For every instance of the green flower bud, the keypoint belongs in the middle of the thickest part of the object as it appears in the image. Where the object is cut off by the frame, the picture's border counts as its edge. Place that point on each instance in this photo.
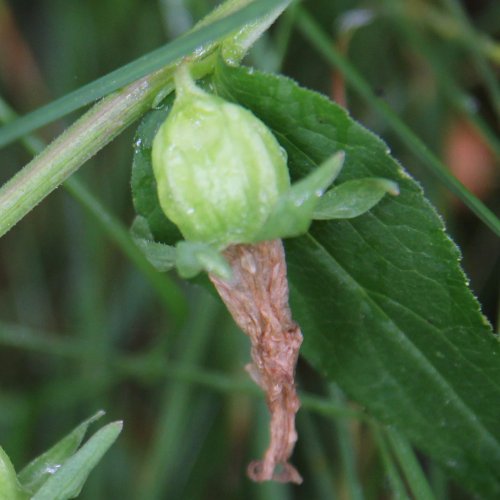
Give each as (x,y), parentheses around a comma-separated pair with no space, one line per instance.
(219,169)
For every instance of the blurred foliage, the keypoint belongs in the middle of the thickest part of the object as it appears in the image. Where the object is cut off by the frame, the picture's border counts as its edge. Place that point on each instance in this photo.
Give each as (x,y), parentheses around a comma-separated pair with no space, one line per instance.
(81,329)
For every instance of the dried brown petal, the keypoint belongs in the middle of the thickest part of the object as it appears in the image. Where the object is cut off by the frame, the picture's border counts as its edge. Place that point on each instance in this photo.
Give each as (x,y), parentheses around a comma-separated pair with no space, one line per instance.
(257,297)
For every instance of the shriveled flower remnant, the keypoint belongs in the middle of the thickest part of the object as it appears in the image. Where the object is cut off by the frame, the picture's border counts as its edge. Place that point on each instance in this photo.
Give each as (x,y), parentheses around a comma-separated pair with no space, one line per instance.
(257,297)
(223,179)
(220,174)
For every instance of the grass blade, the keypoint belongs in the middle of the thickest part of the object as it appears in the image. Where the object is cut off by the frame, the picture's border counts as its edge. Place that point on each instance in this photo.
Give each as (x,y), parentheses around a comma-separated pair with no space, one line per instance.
(313,32)
(471,40)
(451,90)
(408,462)
(70,477)
(164,286)
(137,69)
(395,480)
(171,431)
(39,470)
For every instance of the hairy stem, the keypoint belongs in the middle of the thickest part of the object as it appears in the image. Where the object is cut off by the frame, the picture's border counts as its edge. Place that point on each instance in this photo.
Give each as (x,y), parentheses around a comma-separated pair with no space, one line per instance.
(113,114)
(80,142)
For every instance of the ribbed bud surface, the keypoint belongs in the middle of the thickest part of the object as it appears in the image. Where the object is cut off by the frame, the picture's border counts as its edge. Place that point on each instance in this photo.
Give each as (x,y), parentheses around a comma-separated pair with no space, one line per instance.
(218,168)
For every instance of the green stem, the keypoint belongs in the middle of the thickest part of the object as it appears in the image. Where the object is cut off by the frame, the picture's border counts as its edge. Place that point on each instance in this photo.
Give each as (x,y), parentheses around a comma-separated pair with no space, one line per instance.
(220,23)
(165,287)
(168,291)
(409,464)
(451,91)
(395,481)
(449,29)
(313,32)
(468,32)
(321,469)
(347,450)
(81,141)
(113,114)
(173,423)
(152,367)
(284,33)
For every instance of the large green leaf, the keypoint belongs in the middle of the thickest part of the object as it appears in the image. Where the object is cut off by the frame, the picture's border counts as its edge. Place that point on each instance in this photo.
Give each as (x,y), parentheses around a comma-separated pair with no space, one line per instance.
(382,300)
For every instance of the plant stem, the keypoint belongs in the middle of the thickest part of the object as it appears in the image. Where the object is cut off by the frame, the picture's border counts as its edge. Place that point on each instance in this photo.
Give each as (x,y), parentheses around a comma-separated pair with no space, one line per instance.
(320,466)
(395,481)
(347,450)
(170,433)
(166,288)
(168,291)
(220,23)
(80,142)
(409,464)
(468,33)
(457,97)
(113,114)
(151,367)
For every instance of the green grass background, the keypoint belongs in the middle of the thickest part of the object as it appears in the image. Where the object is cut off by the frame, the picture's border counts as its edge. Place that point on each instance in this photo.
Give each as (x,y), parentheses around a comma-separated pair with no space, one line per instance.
(82,329)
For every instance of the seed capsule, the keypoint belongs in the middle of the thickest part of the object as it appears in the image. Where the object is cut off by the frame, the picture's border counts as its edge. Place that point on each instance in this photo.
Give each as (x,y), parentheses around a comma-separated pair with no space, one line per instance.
(219,169)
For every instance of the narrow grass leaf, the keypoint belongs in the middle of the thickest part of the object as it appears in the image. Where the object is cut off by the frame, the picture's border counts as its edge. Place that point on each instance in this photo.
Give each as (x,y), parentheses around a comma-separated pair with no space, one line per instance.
(410,466)
(193,41)
(38,471)
(68,480)
(326,48)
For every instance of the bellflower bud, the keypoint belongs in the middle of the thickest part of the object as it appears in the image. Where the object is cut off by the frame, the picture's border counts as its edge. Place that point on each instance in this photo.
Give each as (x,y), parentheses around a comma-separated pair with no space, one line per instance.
(219,169)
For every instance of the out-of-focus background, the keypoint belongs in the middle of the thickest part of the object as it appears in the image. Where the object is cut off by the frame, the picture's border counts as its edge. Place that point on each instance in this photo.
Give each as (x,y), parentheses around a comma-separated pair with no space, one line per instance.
(82,329)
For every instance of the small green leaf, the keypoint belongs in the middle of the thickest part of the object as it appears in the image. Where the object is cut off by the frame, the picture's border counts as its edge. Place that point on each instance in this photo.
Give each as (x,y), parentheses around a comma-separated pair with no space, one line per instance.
(67,481)
(193,258)
(161,256)
(294,211)
(38,471)
(10,489)
(353,198)
(144,190)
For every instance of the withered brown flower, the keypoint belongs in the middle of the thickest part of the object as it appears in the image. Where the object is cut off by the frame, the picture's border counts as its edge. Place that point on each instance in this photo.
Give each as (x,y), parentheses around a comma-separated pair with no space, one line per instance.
(257,297)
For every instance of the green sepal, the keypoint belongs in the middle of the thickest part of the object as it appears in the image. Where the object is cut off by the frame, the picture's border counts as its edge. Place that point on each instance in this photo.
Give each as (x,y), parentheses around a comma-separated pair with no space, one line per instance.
(10,489)
(190,258)
(194,257)
(39,470)
(160,255)
(293,213)
(68,479)
(353,198)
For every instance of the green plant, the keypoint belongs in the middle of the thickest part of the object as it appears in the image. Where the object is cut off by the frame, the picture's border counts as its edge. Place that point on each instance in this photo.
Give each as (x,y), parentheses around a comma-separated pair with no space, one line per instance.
(379,293)
(60,472)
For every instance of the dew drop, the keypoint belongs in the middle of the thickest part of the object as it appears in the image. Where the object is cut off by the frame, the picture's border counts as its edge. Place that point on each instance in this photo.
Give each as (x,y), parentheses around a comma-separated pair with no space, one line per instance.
(52,469)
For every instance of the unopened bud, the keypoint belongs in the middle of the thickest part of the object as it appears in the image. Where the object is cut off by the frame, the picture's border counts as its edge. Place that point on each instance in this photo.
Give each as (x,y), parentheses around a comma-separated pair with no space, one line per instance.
(219,169)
